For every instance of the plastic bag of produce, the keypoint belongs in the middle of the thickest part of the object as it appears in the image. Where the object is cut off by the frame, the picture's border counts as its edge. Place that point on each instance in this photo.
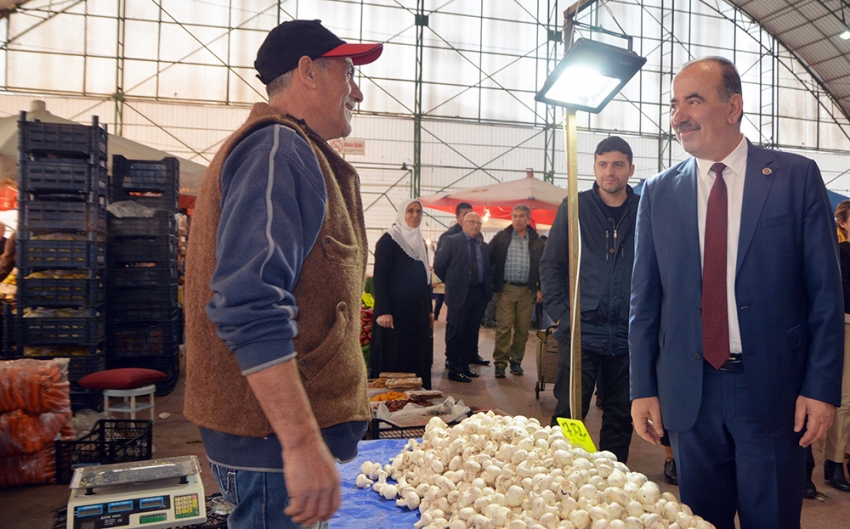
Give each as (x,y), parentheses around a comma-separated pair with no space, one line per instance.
(415,415)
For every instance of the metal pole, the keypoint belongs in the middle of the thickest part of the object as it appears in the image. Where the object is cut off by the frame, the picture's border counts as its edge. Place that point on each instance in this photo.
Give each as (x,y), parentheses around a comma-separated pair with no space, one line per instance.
(421,22)
(575,301)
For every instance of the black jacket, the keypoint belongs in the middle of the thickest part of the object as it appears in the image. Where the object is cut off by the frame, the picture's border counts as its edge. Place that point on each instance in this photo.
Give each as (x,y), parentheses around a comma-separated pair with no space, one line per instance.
(499,253)
(454,229)
(452,264)
(844,254)
(605,273)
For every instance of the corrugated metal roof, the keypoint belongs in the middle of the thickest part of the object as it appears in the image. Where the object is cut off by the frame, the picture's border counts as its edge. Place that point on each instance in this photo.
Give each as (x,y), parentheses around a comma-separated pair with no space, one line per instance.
(809,29)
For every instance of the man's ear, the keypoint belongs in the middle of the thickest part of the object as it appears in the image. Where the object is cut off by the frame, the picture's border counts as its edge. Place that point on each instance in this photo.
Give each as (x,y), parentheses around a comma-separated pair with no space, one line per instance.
(306,71)
(736,107)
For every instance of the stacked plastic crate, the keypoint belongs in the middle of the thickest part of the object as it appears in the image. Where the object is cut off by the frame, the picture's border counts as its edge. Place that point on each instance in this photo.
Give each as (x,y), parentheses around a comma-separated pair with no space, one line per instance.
(144,318)
(61,240)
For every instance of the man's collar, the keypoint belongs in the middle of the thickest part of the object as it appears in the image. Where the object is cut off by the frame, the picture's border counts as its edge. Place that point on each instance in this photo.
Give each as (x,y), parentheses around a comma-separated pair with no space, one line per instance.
(735,161)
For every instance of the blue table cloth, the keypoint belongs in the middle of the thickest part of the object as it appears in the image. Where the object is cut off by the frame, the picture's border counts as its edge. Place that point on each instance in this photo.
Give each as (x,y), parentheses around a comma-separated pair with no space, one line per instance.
(365,508)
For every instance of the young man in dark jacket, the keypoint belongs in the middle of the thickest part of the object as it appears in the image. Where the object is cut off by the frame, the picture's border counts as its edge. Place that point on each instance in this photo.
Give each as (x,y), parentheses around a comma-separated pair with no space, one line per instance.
(515,256)
(607,215)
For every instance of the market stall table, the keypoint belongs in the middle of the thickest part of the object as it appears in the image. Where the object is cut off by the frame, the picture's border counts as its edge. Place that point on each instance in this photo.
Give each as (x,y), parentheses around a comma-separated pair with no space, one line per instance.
(364,508)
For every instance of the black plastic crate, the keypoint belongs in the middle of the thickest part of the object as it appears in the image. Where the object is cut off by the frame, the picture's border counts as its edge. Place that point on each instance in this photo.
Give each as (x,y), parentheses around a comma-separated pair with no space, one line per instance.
(42,139)
(161,224)
(8,326)
(80,366)
(168,384)
(155,294)
(61,215)
(166,198)
(381,429)
(86,399)
(60,292)
(146,175)
(110,441)
(152,339)
(64,255)
(168,363)
(82,330)
(142,249)
(62,175)
(142,274)
(142,311)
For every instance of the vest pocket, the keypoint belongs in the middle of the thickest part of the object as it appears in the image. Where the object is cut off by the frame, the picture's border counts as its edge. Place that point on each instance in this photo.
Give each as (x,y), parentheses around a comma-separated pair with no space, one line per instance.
(339,252)
(311,363)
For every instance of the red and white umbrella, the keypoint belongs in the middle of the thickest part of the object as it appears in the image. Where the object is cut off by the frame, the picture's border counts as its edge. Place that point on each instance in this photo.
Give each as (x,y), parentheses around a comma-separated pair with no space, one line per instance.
(499,199)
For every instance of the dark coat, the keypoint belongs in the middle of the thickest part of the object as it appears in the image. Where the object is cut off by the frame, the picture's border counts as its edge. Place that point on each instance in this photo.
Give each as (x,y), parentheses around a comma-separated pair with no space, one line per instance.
(453,266)
(454,229)
(844,249)
(787,288)
(606,269)
(499,253)
(401,290)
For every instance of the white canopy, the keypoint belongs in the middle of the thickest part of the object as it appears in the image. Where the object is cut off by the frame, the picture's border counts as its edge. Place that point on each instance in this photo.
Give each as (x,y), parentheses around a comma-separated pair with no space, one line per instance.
(191,173)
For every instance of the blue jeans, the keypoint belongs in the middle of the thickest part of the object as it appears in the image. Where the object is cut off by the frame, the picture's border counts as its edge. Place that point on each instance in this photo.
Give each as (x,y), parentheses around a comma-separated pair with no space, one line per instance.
(259,497)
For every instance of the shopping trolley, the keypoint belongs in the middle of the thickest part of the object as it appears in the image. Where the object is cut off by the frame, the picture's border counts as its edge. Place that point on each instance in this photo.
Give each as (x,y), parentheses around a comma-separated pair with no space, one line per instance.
(547,360)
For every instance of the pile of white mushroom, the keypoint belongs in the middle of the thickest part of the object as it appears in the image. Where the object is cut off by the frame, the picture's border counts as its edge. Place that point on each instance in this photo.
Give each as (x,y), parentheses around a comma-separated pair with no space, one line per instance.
(492,472)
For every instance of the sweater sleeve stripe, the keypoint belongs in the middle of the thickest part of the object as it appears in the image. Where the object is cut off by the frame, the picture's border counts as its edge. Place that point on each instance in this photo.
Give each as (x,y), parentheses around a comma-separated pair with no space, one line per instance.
(270,211)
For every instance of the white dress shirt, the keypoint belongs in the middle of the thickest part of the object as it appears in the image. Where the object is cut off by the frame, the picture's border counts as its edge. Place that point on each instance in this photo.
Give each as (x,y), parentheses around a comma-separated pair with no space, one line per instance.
(733,175)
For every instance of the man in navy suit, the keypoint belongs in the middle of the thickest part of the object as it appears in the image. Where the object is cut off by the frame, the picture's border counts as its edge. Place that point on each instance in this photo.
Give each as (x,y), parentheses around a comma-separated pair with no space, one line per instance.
(736,311)
(469,286)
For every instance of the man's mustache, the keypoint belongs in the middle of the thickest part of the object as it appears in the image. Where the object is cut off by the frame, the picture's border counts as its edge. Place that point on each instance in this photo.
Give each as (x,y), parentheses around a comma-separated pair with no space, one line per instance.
(687,126)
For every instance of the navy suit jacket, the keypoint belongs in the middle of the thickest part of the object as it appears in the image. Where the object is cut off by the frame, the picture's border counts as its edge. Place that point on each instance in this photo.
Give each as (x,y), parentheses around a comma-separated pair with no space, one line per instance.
(453,265)
(787,287)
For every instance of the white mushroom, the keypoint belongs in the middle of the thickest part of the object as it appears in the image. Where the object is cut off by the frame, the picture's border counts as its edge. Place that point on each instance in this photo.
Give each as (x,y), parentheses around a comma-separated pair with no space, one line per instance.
(549,520)
(363,482)
(580,518)
(389,491)
(634,508)
(649,493)
(616,479)
(634,523)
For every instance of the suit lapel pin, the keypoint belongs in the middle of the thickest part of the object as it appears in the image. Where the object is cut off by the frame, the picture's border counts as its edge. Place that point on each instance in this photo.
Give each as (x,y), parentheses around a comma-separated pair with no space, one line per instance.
(766,171)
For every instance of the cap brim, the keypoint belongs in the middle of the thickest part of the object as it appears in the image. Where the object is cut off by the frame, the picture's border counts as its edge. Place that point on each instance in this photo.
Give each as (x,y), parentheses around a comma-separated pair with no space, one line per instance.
(358,53)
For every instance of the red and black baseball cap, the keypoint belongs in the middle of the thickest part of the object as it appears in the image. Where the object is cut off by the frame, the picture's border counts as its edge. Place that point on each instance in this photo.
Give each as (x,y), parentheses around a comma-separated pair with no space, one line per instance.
(286,44)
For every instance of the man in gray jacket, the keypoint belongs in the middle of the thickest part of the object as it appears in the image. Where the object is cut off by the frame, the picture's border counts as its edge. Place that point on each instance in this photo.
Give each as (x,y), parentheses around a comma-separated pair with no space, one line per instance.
(607,215)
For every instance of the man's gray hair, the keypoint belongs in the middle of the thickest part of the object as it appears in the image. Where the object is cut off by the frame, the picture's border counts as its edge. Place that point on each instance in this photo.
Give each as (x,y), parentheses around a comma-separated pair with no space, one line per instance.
(523,208)
(281,82)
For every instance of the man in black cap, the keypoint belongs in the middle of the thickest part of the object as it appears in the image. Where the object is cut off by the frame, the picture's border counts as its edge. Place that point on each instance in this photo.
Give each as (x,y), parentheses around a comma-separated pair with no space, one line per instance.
(276,384)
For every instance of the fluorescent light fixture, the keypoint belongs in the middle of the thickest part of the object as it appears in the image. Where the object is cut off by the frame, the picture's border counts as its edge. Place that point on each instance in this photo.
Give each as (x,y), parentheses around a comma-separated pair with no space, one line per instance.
(845,35)
(589,76)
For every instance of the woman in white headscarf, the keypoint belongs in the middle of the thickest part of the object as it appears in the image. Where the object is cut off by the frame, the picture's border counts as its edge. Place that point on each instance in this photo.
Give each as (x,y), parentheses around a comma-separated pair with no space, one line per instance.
(401,338)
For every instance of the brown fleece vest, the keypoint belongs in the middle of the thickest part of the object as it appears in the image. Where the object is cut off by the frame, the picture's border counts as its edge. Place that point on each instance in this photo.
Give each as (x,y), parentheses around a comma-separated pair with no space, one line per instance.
(328,293)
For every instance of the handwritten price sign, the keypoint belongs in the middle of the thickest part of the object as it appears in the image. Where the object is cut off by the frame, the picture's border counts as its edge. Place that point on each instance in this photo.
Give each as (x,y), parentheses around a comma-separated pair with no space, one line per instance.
(576,434)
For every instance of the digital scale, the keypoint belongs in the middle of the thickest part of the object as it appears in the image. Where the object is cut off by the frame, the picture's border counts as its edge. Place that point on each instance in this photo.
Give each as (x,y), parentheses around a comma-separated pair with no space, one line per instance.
(155,494)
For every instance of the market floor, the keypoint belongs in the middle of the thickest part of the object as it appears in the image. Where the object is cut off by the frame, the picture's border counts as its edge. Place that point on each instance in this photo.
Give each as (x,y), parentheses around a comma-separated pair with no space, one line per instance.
(32,507)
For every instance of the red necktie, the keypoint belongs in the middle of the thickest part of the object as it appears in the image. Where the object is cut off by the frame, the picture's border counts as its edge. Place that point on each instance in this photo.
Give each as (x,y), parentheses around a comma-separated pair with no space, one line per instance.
(715,314)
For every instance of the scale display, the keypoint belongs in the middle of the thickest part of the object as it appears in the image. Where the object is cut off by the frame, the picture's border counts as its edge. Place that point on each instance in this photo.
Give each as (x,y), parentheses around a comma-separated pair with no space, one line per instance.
(156,494)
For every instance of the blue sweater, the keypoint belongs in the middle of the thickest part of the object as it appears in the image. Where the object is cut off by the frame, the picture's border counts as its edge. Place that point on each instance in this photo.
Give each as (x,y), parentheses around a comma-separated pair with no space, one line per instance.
(273,199)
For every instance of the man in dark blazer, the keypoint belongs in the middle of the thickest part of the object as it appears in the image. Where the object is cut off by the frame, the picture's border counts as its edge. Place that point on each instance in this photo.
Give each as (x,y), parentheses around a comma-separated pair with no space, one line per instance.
(469,286)
(736,316)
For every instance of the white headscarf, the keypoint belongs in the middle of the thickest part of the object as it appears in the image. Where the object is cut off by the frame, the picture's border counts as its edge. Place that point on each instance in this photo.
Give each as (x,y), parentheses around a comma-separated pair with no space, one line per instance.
(410,239)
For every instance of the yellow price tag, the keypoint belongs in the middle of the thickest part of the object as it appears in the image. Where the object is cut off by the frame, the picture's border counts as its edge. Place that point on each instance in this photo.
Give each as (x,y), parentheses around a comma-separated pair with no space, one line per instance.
(576,433)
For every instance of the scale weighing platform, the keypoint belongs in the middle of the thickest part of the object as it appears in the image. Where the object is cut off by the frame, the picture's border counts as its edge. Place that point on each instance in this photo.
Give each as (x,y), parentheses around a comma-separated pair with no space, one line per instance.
(155,494)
